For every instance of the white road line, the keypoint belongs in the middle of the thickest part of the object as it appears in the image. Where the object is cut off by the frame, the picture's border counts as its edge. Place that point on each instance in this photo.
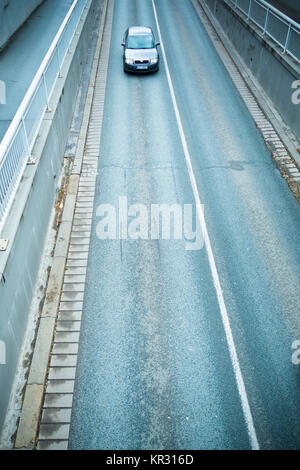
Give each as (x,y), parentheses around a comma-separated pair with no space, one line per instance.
(215,276)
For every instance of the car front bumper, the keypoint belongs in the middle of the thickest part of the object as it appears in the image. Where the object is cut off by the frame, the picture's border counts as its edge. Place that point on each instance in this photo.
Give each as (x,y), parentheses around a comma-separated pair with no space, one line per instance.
(137,69)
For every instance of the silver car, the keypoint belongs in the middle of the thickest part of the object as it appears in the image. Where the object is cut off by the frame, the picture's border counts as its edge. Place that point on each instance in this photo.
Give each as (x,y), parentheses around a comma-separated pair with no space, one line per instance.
(140,50)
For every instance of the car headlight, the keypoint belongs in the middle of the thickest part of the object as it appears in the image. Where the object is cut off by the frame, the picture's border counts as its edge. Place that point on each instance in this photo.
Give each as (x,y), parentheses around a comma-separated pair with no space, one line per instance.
(153,61)
(129,61)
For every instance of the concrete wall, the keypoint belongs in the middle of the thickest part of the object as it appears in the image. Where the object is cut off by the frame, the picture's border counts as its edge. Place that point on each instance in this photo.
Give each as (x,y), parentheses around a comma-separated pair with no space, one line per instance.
(19,276)
(289,4)
(13,13)
(274,71)
(293,4)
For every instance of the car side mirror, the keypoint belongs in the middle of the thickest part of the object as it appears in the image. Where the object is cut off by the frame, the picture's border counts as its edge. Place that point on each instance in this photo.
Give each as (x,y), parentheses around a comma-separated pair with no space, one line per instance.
(157,44)
(123,44)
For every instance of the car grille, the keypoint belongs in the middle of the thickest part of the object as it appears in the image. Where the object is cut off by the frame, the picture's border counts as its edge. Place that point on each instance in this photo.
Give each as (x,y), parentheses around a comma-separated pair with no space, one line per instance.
(141,61)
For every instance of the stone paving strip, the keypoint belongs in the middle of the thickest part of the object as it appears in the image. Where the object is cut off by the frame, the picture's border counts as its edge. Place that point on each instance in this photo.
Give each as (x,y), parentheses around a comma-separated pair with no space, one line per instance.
(56,412)
(46,411)
(280,153)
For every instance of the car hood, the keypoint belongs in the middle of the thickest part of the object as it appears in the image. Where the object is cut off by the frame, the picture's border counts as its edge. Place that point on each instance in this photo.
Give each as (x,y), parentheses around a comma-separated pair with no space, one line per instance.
(141,54)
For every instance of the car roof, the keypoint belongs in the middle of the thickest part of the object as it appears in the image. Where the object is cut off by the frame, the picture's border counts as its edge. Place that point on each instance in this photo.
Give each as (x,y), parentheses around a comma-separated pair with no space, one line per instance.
(136,30)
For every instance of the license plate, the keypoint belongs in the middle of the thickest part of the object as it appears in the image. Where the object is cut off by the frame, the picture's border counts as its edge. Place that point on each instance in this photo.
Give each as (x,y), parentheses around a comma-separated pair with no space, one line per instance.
(142,67)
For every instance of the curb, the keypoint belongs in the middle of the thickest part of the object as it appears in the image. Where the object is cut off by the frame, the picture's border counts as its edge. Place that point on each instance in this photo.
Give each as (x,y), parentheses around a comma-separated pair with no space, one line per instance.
(33,398)
(55,422)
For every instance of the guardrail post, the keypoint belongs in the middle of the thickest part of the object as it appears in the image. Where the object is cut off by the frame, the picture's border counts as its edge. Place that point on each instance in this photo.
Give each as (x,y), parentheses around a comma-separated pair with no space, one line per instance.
(249,11)
(26,138)
(58,60)
(46,91)
(266,22)
(287,39)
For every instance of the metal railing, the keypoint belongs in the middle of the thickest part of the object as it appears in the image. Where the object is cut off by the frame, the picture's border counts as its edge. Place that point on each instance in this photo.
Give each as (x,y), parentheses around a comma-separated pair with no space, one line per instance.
(279,27)
(18,141)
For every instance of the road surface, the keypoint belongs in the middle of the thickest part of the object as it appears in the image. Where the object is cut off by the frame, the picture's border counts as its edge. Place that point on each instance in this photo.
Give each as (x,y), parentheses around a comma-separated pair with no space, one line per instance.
(156,369)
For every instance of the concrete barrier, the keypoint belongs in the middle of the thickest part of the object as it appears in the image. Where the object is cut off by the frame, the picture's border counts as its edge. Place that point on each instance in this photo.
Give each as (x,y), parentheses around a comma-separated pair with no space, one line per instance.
(13,13)
(27,224)
(275,72)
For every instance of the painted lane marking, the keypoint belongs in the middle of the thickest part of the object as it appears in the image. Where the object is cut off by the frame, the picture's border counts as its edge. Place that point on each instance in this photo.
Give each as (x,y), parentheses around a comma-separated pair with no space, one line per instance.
(223,310)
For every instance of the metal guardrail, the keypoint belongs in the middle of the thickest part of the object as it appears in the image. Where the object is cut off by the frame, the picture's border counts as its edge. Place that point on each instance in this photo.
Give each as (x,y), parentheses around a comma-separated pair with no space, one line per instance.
(18,141)
(275,24)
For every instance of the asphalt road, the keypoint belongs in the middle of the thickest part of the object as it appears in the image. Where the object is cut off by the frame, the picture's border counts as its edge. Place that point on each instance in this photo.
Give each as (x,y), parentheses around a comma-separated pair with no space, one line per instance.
(156,368)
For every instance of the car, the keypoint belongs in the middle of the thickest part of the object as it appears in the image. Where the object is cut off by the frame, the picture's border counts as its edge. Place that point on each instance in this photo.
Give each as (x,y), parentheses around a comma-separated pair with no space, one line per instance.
(140,50)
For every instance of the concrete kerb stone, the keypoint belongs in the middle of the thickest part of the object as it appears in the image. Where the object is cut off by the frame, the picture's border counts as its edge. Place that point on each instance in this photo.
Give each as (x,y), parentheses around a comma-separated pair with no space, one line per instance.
(39,364)
(68,211)
(53,445)
(53,289)
(30,417)
(62,242)
(73,184)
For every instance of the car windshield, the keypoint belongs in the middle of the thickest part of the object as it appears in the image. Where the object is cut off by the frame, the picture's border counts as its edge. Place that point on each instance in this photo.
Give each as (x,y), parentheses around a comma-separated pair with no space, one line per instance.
(140,42)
